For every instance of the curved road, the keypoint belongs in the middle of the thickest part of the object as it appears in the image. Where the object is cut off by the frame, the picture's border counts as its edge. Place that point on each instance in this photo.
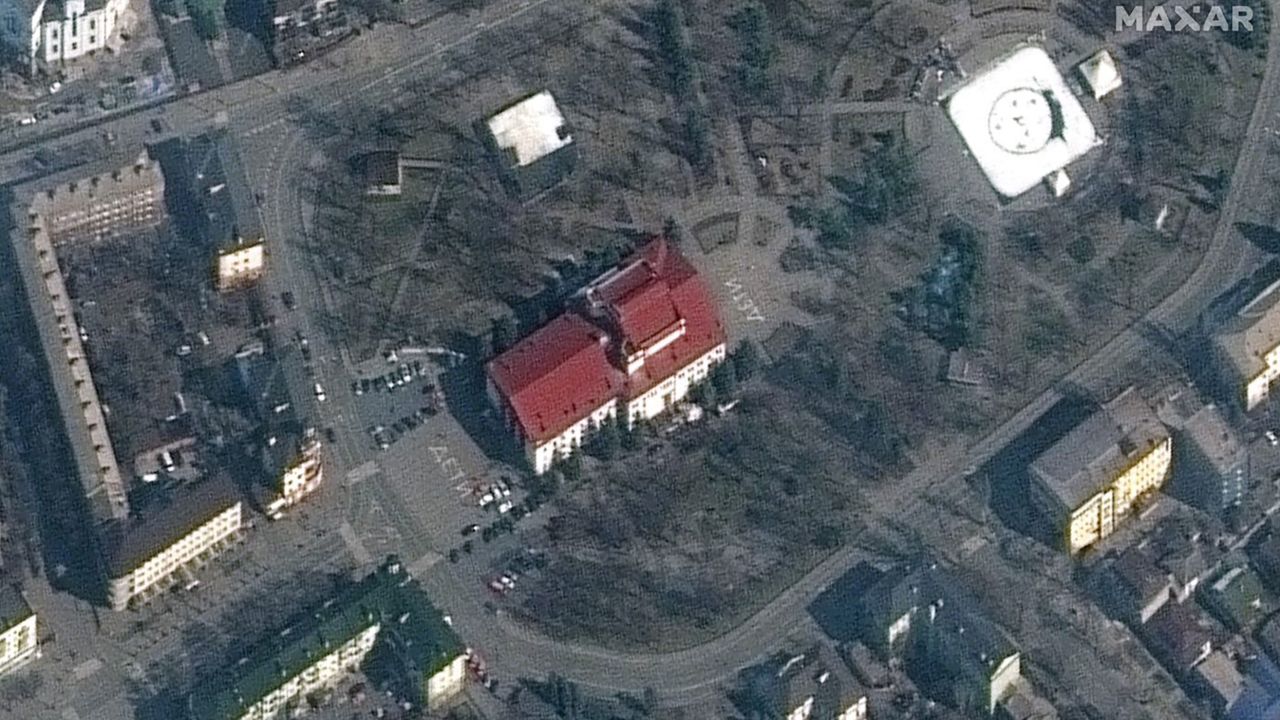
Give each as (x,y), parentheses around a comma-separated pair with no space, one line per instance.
(259,106)
(694,674)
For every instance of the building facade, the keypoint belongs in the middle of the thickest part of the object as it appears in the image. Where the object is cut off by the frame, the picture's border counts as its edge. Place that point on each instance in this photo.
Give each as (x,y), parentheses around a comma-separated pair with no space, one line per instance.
(58,32)
(1247,350)
(635,341)
(299,469)
(325,672)
(1089,481)
(153,553)
(101,205)
(19,644)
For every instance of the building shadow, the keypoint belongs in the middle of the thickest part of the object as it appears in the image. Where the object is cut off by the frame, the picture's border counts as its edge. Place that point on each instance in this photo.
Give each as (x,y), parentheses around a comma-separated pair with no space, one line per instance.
(463,386)
(36,437)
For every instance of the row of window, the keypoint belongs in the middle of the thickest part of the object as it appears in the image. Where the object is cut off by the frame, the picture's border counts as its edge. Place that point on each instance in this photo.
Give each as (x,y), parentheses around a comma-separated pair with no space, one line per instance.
(180,553)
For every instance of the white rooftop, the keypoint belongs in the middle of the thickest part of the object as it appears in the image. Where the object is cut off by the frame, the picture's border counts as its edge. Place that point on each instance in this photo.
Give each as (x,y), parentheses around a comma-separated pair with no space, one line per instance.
(1101,73)
(1020,121)
(532,128)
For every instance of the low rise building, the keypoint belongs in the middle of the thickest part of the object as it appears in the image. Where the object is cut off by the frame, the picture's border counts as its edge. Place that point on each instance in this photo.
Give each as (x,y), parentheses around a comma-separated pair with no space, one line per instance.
(924,619)
(291,453)
(1024,703)
(1021,122)
(1218,679)
(1264,557)
(533,143)
(1237,598)
(1088,482)
(383,173)
(163,545)
(1134,587)
(295,464)
(1177,638)
(386,615)
(812,685)
(635,342)
(19,643)
(1247,350)
(979,661)
(1101,74)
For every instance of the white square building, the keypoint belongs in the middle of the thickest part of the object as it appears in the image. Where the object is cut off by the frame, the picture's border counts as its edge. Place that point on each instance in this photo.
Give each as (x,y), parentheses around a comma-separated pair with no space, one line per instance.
(1021,121)
(530,130)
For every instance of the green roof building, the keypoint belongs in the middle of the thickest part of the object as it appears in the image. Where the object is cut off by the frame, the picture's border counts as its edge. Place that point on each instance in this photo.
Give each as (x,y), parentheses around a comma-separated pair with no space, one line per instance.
(385,620)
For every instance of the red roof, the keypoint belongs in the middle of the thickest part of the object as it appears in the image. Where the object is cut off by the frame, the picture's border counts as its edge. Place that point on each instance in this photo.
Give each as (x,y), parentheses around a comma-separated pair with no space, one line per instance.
(652,291)
(556,376)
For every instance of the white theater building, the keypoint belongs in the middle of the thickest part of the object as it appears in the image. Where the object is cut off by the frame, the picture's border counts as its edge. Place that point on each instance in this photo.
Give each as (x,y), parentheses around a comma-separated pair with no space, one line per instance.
(1022,123)
(58,31)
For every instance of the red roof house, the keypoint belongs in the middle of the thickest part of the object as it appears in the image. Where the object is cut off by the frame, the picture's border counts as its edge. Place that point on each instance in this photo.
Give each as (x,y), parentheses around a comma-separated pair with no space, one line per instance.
(637,325)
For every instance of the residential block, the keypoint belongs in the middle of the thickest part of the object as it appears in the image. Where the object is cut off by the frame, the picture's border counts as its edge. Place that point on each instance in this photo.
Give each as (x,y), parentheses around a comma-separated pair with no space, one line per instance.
(1089,481)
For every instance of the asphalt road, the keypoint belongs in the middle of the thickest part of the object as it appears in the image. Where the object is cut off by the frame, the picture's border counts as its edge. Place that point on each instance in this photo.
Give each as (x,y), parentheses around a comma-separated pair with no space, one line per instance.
(257,107)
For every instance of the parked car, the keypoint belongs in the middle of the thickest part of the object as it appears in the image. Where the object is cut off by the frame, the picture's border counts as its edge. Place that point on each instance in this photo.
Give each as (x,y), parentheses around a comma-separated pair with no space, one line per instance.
(290,303)
(471,529)
(355,387)
(320,396)
(330,435)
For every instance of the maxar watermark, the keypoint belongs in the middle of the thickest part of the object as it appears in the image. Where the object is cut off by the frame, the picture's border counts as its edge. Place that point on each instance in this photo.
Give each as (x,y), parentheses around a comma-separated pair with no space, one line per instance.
(1185,18)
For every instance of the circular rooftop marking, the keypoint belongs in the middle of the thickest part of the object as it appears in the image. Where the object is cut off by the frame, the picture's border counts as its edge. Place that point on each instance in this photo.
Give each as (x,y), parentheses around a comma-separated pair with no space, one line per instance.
(1021,121)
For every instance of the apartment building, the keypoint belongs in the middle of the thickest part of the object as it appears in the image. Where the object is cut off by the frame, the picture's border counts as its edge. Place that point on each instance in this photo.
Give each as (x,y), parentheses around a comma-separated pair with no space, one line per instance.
(1088,482)
(58,32)
(18,641)
(635,341)
(84,204)
(1212,462)
(101,201)
(292,458)
(385,614)
(228,220)
(1247,350)
(164,545)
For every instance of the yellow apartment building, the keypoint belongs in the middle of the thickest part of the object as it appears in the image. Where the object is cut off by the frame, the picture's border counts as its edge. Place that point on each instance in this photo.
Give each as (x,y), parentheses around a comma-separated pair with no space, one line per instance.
(1088,482)
(1247,350)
